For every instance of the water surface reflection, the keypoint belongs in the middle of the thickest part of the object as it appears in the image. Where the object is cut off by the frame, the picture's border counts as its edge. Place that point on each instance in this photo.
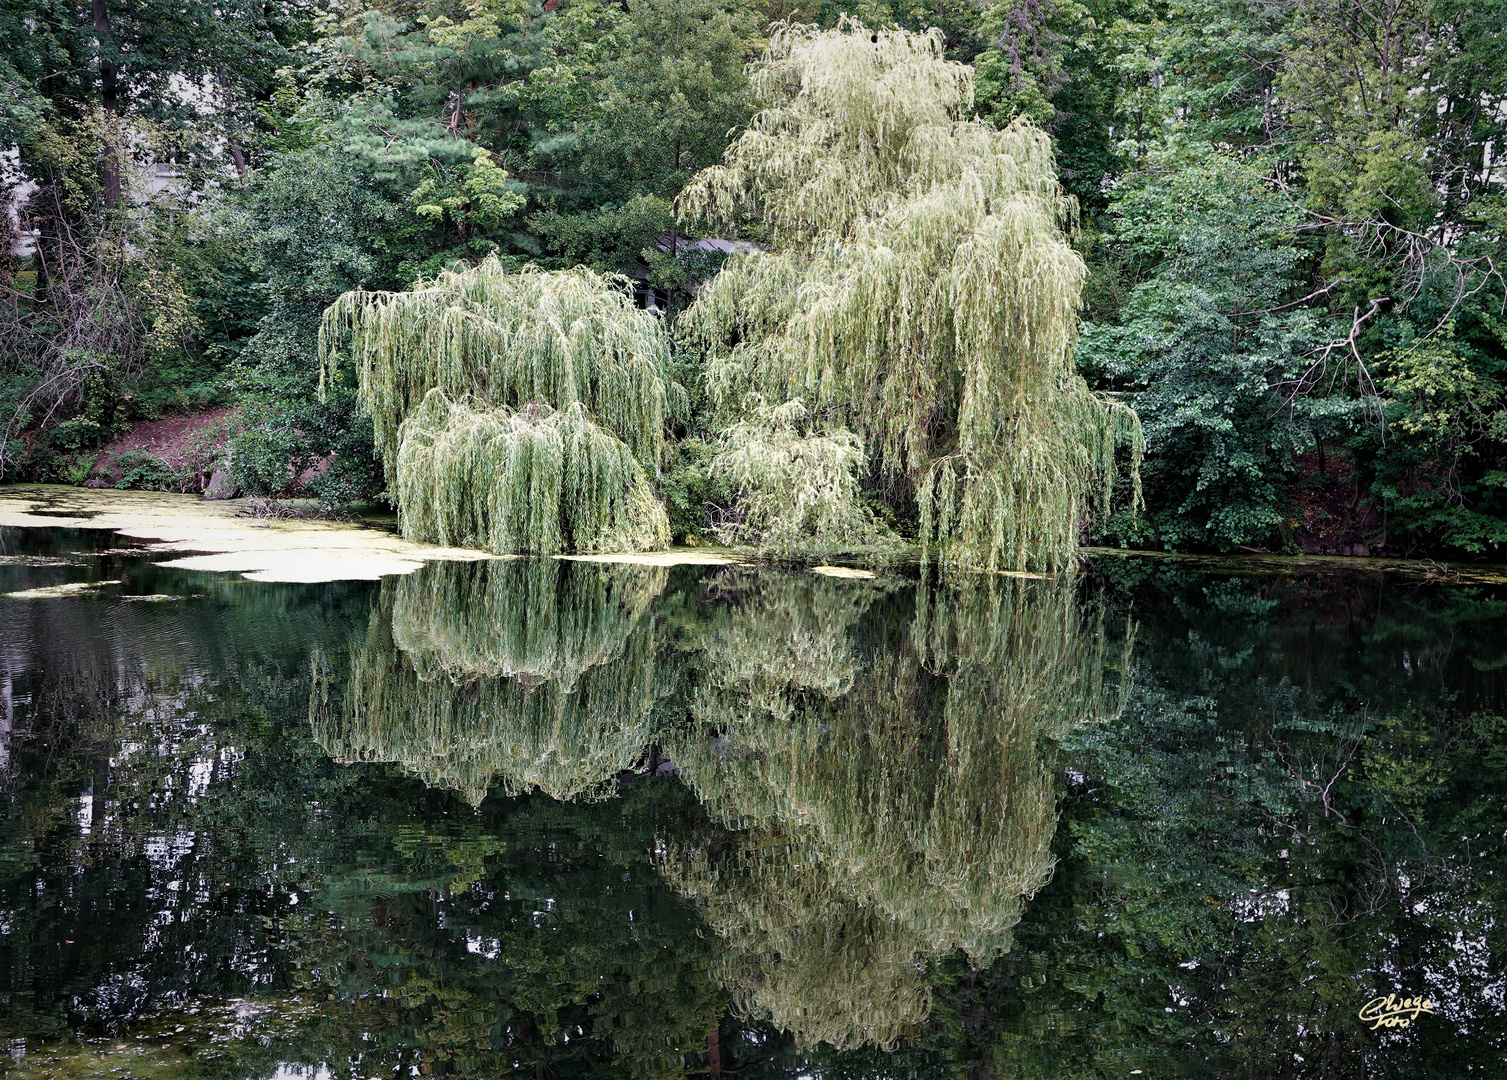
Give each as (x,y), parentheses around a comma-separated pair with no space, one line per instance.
(571,819)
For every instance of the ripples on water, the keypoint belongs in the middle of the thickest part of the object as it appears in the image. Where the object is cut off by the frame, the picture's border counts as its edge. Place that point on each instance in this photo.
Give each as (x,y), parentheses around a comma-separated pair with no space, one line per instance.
(577,820)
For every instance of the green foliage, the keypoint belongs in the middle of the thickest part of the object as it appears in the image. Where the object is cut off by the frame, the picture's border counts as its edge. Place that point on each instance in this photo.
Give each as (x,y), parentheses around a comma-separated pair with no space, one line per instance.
(513,338)
(1444,401)
(793,491)
(1030,58)
(668,97)
(312,227)
(1214,362)
(668,91)
(305,447)
(76,432)
(1440,472)
(116,256)
(267,456)
(1367,120)
(1264,387)
(612,239)
(141,469)
(504,470)
(692,491)
(477,198)
(882,306)
(1335,162)
(601,112)
(306,230)
(534,482)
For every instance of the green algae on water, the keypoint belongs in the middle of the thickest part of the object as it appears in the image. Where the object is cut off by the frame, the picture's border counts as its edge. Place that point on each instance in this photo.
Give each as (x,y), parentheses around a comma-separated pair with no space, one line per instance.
(75,589)
(213,536)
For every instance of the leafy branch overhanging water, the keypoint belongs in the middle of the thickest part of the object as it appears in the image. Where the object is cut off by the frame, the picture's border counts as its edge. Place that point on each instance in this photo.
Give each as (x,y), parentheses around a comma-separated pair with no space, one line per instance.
(486,464)
(534,481)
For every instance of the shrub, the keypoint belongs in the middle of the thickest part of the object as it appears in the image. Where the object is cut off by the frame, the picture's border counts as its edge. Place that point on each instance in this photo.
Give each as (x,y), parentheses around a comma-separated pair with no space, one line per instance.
(141,469)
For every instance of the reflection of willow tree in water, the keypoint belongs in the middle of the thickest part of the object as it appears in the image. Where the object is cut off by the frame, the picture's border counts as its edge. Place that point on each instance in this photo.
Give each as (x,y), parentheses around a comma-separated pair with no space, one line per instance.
(895,805)
(539,674)
(539,621)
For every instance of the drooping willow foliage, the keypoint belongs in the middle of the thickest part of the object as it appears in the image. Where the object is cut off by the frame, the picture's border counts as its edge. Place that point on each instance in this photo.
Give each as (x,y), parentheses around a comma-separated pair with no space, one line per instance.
(787,634)
(918,291)
(904,778)
(534,481)
(567,736)
(507,338)
(796,492)
(521,412)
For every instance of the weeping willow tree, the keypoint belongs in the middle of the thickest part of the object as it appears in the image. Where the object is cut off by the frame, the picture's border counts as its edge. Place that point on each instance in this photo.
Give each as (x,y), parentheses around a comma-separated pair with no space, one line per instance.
(906,779)
(531,482)
(568,735)
(796,491)
(918,290)
(497,345)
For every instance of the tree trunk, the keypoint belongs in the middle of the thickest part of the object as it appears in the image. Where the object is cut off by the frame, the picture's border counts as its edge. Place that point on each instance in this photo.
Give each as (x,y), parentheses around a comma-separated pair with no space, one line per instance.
(108,99)
(46,226)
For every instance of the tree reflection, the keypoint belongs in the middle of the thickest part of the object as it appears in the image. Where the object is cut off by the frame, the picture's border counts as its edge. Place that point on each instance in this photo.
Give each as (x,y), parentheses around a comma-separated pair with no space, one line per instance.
(530,674)
(891,802)
(146,847)
(868,753)
(1299,807)
(538,620)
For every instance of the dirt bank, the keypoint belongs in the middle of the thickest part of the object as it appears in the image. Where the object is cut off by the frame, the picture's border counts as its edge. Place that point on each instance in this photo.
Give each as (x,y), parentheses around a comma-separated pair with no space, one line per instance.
(186,446)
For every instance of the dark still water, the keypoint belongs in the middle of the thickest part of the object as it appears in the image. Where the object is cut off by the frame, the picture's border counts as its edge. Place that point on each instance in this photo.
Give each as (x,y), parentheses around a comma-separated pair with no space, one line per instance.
(565,819)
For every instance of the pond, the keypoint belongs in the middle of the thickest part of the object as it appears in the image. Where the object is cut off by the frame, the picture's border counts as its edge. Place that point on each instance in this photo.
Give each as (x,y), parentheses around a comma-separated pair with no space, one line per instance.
(567,819)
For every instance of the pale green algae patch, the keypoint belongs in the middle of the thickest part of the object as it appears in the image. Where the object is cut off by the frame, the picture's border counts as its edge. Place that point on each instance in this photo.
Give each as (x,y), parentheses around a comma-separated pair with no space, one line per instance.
(56,592)
(672,557)
(213,536)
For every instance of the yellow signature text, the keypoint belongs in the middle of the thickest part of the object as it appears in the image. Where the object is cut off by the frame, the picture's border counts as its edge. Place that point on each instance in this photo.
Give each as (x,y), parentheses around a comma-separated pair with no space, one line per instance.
(1394,1012)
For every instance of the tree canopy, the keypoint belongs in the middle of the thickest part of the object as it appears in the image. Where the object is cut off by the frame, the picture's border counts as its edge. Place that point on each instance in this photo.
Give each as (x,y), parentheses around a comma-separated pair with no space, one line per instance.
(964,243)
(506,472)
(918,289)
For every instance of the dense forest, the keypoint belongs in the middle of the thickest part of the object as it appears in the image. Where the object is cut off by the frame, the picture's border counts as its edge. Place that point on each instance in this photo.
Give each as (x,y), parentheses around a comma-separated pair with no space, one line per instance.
(1287,212)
